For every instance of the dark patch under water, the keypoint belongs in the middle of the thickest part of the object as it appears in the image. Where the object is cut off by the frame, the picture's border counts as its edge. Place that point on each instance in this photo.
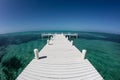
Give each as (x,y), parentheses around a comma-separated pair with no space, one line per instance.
(11,65)
(103,51)
(16,51)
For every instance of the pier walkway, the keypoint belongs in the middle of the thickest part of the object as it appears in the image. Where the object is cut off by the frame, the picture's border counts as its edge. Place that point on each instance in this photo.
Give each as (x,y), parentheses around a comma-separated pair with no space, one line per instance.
(65,34)
(59,60)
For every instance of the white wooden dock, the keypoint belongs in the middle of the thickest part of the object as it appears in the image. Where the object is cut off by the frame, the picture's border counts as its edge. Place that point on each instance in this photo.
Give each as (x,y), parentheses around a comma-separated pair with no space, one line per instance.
(60,60)
(65,34)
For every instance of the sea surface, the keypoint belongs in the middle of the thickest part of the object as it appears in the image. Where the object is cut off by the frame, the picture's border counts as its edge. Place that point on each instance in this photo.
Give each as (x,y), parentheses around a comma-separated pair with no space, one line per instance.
(16,51)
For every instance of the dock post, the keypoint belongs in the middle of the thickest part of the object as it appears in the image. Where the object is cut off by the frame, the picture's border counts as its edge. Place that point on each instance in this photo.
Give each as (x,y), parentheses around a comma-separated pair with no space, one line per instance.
(36,54)
(83,53)
(67,37)
(71,42)
(50,42)
(47,41)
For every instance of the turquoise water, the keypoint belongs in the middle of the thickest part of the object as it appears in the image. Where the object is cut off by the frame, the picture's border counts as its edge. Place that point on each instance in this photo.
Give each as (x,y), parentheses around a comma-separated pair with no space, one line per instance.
(103,51)
(16,51)
(104,55)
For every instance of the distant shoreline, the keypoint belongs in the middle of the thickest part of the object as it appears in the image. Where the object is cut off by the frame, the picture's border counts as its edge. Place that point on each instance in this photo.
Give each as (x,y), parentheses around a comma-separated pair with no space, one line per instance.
(64,31)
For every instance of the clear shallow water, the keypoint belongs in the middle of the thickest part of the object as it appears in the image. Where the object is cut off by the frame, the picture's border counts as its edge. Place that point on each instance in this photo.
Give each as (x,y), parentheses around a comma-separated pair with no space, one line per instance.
(16,51)
(104,55)
(103,51)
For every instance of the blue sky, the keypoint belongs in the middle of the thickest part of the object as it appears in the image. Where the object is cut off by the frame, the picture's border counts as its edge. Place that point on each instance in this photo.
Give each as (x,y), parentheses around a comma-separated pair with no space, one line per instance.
(80,15)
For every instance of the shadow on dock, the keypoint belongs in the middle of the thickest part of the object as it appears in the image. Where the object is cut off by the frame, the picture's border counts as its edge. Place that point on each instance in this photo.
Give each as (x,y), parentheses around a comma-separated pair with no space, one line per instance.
(42,57)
